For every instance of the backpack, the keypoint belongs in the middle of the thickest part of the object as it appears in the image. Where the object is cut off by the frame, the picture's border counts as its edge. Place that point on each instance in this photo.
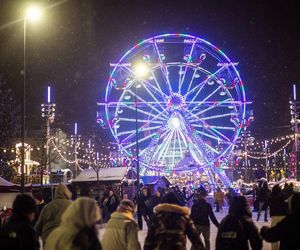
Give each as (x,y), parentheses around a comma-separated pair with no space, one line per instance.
(231,235)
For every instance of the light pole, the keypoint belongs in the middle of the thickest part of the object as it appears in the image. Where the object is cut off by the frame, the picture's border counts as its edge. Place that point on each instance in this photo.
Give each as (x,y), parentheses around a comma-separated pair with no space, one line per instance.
(140,70)
(48,111)
(32,13)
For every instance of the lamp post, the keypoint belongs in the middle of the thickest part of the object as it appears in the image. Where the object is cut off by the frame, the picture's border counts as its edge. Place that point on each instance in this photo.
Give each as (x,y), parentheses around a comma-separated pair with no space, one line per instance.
(32,13)
(140,70)
(48,111)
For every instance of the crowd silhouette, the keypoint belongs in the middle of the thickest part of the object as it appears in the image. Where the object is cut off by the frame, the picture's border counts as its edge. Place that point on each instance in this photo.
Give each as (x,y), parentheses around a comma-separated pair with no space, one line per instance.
(169,217)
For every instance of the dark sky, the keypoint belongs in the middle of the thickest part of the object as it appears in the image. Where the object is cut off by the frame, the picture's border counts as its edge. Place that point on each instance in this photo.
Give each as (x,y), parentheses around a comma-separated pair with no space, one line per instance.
(75,42)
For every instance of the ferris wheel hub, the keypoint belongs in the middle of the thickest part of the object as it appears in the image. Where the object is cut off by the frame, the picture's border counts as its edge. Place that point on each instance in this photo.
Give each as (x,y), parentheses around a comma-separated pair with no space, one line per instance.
(175,102)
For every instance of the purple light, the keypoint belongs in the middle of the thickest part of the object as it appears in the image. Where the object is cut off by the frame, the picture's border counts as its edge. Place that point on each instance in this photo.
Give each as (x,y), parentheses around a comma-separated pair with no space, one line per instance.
(294,92)
(89,143)
(49,94)
(75,128)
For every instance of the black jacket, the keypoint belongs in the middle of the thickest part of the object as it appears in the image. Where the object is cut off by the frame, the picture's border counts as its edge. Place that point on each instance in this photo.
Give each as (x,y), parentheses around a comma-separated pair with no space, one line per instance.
(278,207)
(18,234)
(286,231)
(201,212)
(249,230)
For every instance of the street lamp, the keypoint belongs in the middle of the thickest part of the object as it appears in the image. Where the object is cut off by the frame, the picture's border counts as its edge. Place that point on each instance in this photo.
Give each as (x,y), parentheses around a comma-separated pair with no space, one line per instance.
(32,14)
(140,70)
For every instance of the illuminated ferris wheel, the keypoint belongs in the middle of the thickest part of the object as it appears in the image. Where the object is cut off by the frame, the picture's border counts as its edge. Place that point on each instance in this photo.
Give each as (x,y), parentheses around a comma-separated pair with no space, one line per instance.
(177,96)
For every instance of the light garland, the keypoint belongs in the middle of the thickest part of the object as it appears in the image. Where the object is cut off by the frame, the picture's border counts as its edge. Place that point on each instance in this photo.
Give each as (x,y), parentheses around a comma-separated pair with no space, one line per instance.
(268,155)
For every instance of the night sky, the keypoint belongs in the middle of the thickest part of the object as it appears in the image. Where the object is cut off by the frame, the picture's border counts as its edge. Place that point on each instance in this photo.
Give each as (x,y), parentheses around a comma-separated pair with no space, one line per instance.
(75,42)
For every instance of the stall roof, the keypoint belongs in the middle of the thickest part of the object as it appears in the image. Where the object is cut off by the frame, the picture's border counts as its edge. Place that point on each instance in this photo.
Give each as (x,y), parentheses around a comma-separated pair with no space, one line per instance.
(105,174)
(152,180)
(6,183)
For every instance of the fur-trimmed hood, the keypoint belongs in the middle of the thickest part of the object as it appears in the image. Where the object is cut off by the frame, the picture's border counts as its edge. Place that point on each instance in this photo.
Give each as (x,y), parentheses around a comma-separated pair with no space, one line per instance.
(171,208)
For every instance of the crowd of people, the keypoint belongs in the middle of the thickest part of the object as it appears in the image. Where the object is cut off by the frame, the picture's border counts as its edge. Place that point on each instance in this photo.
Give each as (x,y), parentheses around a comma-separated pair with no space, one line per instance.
(171,215)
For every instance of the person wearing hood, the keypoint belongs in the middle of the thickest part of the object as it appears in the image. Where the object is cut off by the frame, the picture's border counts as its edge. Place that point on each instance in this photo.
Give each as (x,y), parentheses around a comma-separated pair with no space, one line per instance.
(121,231)
(170,226)
(237,229)
(51,214)
(18,233)
(77,230)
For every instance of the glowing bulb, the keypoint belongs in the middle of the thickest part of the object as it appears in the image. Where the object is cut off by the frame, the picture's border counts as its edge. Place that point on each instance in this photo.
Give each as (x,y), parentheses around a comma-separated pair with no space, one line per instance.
(175,122)
(141,70)
(33,13)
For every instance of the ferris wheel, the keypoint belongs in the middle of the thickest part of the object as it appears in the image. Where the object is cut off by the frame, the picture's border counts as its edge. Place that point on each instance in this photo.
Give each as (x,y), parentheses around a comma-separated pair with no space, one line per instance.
(178,97)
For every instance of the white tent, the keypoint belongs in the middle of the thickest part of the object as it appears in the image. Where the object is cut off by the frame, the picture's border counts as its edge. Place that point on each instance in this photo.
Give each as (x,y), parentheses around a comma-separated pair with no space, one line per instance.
(6,183)
(105,174)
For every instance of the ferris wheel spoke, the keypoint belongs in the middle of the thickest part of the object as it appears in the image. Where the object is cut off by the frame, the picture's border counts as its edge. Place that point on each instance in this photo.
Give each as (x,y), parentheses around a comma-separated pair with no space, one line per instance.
(180,148)
(191,81)
(146,124)
(217,127)
(207,79)
(140,140)
(162,144)
(138,120)
(207,127)
(158,85)
(206,98)
(147,103)
(166,145)
(209,135)
(174,144)
(164,70)
(158,102)
(183,138)
(145,112)
(140,130)
(156,90)
(187,65)
(216,116)
(218,104)
(223,127)
(199,90)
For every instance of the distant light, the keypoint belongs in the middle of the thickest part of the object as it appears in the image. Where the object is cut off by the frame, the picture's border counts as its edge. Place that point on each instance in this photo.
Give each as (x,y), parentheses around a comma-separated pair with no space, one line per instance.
(75,128)
(33,13)
(49,94)
(141,70)
(175,122)
(294,92)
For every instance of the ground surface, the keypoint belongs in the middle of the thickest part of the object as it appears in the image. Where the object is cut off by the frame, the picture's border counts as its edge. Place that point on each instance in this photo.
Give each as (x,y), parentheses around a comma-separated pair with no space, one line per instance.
(267,246)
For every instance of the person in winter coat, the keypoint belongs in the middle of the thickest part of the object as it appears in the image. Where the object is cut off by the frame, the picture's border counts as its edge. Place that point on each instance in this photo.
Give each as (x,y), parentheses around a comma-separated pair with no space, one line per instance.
(121,231)
(77,230)
(51,214)
(155,200)
(287,231)
(278,209)
(201,213)
(143,207)
(263,197)
(170,226)
(18,233)
(110,204)
(237,238)
(219,199)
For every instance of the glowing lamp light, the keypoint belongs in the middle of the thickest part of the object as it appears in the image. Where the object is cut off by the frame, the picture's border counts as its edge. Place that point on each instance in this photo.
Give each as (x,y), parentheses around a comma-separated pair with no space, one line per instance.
(175,122)
(33,13)
(141,70)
